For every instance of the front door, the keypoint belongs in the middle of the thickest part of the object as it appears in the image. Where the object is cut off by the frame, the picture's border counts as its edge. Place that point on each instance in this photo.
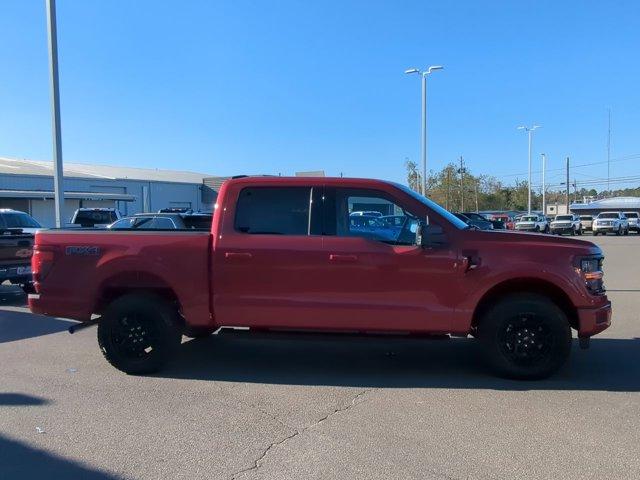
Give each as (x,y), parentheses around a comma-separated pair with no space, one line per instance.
(376,278)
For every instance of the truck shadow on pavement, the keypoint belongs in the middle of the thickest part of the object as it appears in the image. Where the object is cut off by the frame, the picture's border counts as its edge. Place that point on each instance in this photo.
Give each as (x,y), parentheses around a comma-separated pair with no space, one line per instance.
(20,325)
(608,365)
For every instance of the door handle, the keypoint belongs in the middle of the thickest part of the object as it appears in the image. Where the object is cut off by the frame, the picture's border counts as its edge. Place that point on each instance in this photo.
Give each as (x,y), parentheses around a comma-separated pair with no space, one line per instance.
(237,255)
(343,258)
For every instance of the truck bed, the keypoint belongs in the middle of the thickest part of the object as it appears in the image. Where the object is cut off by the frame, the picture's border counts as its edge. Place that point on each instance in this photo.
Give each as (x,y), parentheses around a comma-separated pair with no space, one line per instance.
(84,268)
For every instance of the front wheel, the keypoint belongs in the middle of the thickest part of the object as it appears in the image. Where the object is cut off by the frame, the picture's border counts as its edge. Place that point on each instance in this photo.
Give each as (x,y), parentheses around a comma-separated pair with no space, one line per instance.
(525,336)
(139,333)
(619,232)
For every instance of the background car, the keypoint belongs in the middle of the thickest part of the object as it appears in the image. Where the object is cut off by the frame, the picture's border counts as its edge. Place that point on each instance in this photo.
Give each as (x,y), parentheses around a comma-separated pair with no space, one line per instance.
(566,224)
(94,217)
(13,219)
(365,213)
(634,221)
(496,224)
(610,222)
(164,221)
(587,222)
(480,223)
(532,223)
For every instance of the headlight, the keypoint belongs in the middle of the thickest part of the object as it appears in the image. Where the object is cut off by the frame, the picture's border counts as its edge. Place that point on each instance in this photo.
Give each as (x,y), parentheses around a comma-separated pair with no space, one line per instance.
(592,274)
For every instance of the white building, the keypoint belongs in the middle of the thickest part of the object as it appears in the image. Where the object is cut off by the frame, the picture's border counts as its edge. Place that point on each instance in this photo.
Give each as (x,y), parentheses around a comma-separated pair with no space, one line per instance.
(27,185)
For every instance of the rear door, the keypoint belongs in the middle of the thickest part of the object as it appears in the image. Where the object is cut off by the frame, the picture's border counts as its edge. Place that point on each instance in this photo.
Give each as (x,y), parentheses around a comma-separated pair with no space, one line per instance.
(266,258)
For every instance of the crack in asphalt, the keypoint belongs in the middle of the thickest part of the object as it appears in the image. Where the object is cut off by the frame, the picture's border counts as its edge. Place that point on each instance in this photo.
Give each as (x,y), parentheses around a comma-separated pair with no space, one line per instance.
(258,462)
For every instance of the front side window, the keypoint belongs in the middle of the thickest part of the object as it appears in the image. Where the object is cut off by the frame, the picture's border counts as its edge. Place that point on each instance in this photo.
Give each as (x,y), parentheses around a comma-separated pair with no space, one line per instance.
(395,225)
(273,211)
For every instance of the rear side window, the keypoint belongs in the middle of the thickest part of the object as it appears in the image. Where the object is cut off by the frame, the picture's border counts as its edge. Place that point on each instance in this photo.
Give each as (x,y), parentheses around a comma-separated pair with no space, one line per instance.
(273,210)
(631,214)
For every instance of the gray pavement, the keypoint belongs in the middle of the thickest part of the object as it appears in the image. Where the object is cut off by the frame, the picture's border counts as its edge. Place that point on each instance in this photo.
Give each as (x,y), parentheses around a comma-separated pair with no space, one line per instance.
(345,408)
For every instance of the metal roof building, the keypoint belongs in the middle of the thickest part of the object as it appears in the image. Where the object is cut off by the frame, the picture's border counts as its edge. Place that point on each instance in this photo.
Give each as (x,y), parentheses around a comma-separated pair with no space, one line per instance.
(27,185)
(616,204)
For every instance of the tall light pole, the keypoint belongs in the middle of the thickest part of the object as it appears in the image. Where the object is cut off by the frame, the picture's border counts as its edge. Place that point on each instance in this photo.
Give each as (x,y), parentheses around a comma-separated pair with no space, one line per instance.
(544,185)
(529,131)
(424,74)
(55,110)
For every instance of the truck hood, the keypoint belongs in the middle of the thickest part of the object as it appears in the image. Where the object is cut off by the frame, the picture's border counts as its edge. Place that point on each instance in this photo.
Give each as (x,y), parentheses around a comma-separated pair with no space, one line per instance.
(529,242)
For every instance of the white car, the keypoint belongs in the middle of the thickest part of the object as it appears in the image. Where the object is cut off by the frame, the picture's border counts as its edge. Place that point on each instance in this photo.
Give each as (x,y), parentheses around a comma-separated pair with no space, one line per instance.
(566,224)
(532,223)
(634,221)
(610,222)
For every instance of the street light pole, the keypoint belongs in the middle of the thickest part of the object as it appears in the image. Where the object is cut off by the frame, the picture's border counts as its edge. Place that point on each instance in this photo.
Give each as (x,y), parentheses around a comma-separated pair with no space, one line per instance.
(55,110)
(544,185)
(423,146)
(529,131)
(423,143)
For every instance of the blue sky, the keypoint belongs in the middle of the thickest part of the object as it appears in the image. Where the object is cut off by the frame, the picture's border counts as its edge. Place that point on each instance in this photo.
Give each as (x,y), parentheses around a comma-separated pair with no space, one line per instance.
(277,87)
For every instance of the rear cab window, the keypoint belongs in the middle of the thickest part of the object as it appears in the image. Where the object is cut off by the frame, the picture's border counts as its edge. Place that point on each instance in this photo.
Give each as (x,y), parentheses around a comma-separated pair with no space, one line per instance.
(274,211)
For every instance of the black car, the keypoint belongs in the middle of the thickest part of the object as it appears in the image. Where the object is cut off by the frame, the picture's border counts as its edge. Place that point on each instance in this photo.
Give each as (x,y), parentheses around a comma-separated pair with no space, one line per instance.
(16,249)
(480,224)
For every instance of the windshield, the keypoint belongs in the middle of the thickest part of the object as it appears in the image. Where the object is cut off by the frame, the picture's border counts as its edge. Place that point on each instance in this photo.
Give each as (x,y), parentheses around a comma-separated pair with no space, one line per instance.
(608,215)
(450,217)
(19,220)
(564,217)
(586,217)
(528,218)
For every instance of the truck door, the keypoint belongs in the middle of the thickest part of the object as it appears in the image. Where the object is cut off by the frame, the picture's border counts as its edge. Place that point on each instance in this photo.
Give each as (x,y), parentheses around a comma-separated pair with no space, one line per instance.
(374,276)
(266,257)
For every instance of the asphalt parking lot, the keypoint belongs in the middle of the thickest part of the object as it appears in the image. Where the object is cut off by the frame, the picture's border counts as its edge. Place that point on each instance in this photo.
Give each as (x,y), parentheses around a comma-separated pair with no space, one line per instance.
(347,408)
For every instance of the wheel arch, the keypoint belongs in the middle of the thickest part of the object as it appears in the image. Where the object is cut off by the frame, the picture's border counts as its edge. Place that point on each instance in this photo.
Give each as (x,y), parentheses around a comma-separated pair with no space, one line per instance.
(527,285)
(129,282)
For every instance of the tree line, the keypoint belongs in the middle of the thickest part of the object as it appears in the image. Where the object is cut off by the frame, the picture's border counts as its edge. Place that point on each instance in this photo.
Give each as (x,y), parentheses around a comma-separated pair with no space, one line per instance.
(457,189)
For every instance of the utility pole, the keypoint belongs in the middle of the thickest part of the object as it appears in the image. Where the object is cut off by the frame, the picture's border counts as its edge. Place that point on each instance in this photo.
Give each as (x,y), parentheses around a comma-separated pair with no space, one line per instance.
(476,185)
(575,191)
(448,188)
(568,185)
(461,184)
(58,174)
(609,155)
(544,185)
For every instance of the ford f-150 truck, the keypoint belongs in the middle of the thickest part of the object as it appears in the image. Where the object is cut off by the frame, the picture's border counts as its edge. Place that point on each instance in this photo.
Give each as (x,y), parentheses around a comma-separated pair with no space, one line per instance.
(282,254)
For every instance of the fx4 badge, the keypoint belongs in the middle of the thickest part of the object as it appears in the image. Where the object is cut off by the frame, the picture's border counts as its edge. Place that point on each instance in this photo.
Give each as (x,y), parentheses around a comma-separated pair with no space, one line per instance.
(82,251)
(24,253)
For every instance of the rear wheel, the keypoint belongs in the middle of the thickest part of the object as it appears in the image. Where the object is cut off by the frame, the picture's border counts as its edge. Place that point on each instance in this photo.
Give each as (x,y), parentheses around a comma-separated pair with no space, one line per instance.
(619,232)
(525,336)
(139,333)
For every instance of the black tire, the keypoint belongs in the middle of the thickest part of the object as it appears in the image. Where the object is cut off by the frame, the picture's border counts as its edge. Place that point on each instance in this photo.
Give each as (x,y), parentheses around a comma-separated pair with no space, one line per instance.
(626,231)
(525,336)
(580,232)
(618,232)
(139,333)
(198,332)
(573,232)
(595,234)
(537,229)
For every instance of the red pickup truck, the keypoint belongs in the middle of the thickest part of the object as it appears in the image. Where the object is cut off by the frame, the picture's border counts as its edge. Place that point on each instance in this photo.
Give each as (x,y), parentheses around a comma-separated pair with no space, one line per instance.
(293,254)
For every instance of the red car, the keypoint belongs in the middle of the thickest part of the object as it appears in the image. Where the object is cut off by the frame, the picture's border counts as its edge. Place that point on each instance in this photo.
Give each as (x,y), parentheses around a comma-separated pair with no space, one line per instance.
(283,254)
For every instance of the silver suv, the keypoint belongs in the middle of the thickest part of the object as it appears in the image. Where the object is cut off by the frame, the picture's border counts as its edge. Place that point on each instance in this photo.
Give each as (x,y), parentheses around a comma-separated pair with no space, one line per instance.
(611,222)
(566,224)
